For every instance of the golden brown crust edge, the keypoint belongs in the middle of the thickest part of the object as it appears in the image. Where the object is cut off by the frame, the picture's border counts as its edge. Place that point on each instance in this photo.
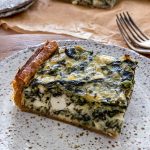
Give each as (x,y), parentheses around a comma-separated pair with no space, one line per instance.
(75,123)
(25,74)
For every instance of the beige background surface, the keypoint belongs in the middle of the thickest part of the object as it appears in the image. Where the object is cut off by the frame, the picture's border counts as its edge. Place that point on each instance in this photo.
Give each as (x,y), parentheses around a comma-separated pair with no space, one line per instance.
(63,18)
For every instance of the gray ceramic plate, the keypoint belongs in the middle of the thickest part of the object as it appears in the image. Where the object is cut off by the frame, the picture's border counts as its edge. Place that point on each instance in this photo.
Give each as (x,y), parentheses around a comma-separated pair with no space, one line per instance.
(11,7)
(22,131)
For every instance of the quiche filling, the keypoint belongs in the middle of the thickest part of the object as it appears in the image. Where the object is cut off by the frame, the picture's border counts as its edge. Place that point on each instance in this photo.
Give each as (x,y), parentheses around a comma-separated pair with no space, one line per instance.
(83,88)
(95,3)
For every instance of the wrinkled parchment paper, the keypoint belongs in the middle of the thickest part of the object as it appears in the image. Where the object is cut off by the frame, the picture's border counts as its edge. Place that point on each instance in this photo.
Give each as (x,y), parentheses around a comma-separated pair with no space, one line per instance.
(99,24)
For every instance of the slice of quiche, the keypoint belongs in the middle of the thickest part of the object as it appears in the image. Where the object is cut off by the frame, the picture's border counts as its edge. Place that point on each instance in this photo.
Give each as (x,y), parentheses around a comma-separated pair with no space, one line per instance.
(94,3)
(76,86)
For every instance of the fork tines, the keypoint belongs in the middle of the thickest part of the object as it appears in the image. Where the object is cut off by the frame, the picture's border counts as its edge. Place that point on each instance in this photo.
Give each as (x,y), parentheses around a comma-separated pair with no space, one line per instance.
(130,32)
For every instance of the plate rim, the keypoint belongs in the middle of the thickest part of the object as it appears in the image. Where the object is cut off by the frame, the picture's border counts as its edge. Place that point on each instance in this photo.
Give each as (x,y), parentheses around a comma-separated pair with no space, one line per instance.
(80,40)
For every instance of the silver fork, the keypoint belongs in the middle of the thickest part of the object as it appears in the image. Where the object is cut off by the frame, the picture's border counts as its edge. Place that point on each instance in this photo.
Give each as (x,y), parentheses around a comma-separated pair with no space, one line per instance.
(132,34)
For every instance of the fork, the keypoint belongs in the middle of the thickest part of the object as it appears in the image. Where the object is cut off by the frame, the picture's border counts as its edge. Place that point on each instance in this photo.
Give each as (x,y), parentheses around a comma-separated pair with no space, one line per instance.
(132,34)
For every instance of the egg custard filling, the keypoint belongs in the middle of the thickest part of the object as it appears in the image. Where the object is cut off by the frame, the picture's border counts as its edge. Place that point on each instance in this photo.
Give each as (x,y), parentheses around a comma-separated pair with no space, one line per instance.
(83,88)
(95,3)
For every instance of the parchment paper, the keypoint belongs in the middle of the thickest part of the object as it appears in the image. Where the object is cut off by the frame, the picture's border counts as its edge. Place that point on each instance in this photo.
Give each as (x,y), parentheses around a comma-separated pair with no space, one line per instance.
(57,17)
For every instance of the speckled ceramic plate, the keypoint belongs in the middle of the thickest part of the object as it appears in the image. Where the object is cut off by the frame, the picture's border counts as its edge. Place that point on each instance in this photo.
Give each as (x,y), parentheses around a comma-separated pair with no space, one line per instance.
(22,131)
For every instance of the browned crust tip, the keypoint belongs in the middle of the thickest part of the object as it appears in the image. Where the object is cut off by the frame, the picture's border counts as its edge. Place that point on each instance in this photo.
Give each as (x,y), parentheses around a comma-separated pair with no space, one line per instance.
(24,74)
